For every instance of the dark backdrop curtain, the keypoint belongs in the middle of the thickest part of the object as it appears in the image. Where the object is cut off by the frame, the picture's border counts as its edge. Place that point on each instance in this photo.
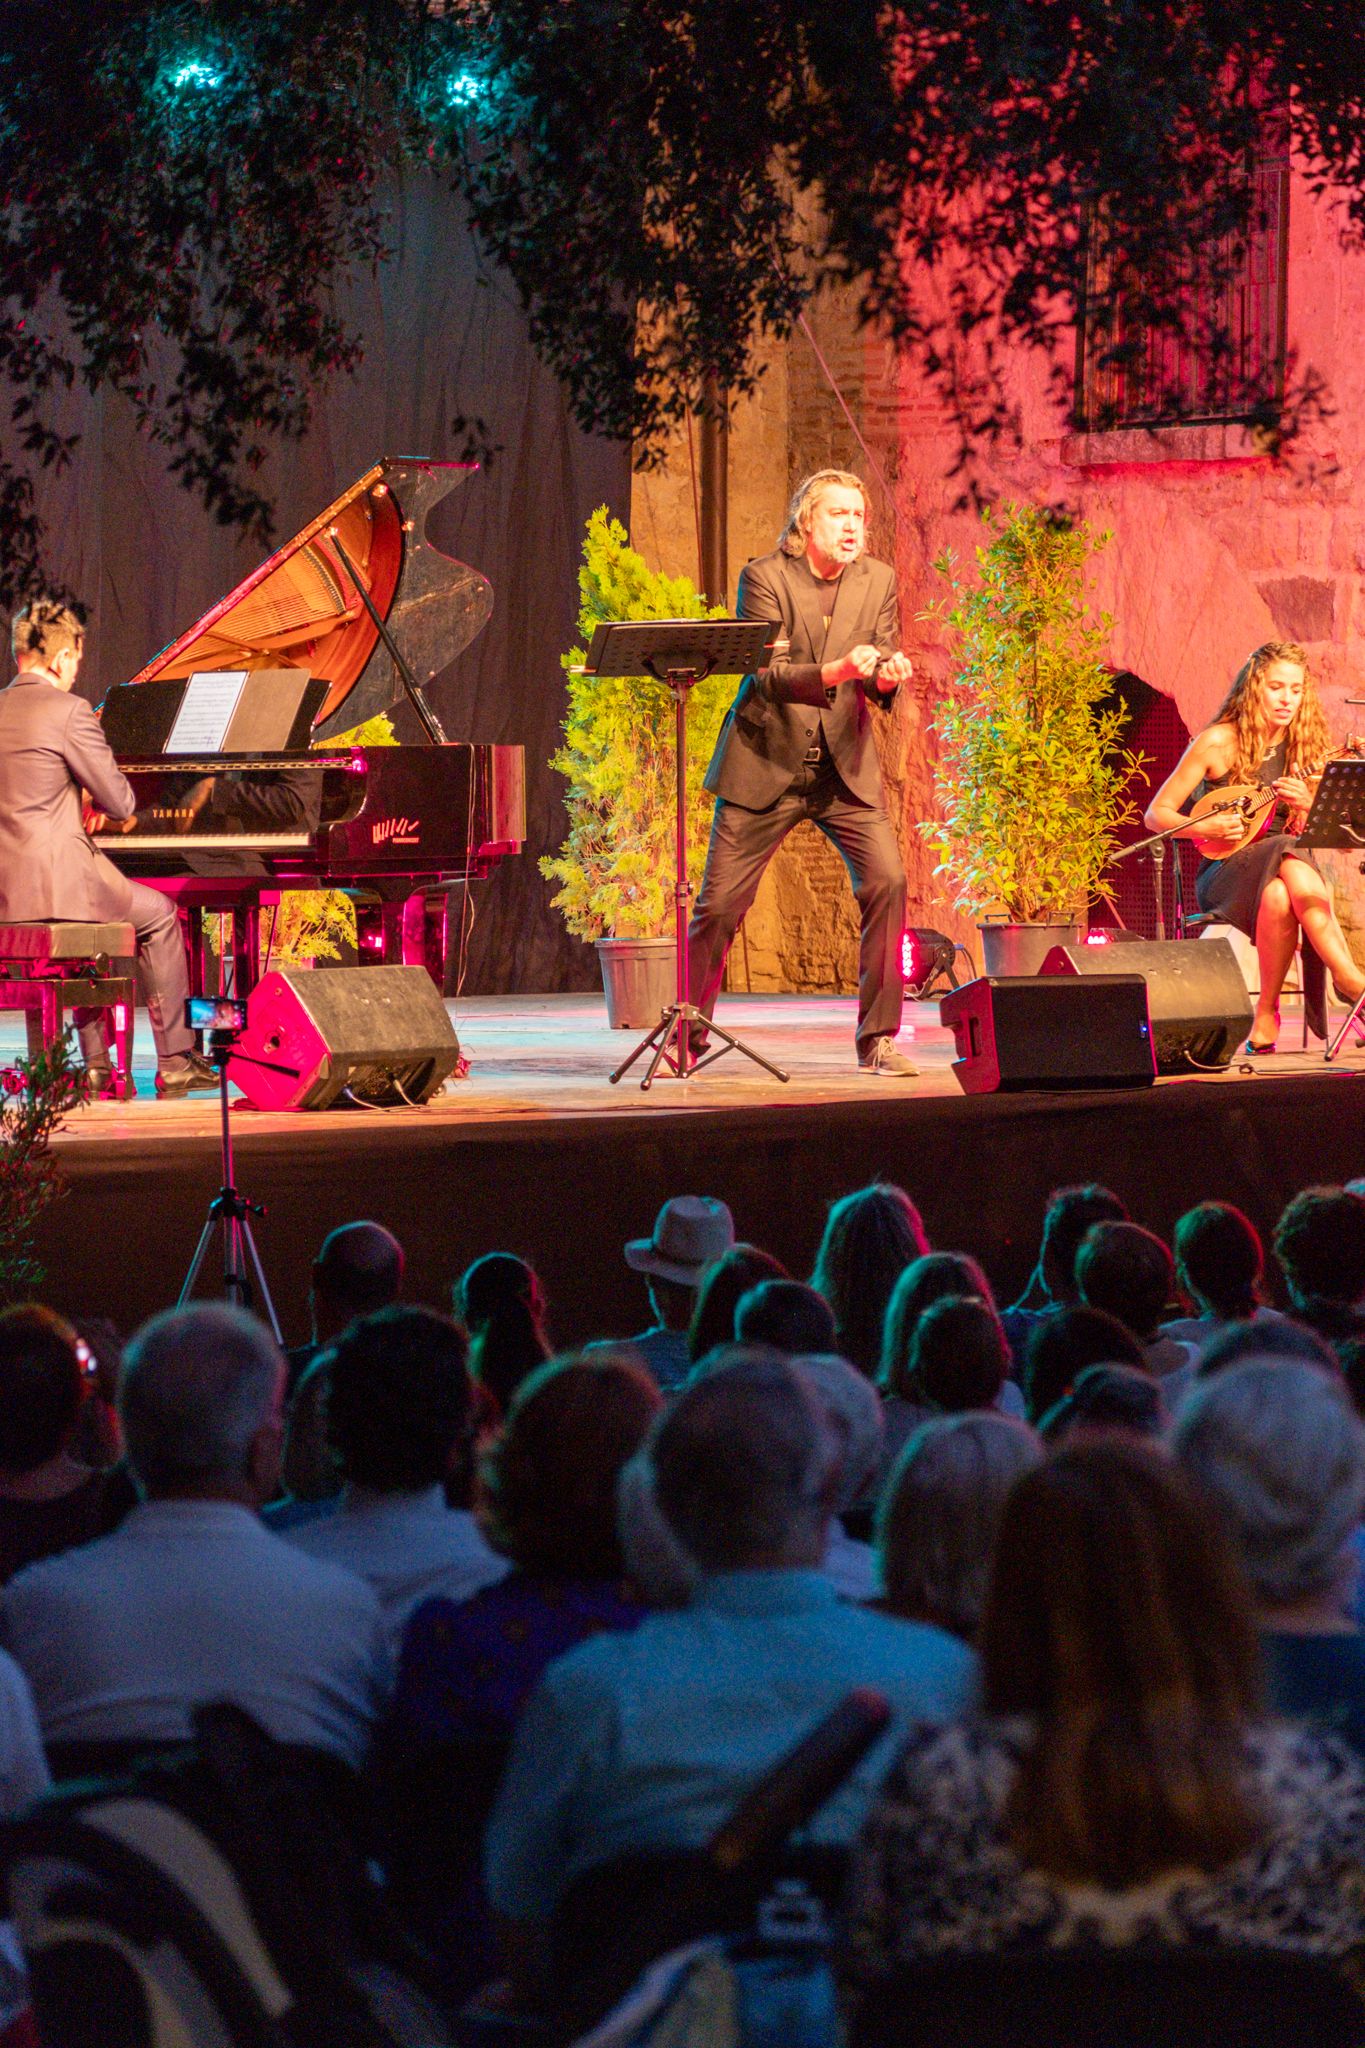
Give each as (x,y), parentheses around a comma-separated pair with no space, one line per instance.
(444,337)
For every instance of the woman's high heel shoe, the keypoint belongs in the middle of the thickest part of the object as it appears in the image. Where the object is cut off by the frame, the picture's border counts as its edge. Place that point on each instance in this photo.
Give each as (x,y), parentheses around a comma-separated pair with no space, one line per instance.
(1252,1047)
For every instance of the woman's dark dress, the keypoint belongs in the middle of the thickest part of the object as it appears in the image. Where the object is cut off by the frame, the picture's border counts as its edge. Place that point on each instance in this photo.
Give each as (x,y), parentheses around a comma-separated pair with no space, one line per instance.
(1232,888)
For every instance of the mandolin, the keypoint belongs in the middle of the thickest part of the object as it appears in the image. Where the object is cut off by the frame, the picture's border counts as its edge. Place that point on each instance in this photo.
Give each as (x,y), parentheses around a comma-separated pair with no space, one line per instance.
(1253,802)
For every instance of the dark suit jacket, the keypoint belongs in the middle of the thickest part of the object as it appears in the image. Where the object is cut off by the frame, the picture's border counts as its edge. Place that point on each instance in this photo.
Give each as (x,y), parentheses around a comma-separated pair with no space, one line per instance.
(777,714)
(51,747)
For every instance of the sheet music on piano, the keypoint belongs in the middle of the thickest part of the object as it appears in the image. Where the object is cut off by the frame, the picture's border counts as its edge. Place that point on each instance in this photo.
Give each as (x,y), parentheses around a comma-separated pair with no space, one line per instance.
(201,724)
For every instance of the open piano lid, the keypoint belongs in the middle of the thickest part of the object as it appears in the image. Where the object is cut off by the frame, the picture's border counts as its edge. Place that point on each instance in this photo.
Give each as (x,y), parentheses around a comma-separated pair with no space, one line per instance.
(301,608)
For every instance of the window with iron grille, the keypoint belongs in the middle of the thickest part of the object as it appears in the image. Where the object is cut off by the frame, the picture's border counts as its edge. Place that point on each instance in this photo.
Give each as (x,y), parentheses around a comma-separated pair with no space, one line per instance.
(1222,356)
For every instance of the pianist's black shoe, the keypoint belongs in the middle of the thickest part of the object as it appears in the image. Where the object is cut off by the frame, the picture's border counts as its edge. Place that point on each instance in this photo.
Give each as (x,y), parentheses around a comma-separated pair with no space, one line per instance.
(188,1076)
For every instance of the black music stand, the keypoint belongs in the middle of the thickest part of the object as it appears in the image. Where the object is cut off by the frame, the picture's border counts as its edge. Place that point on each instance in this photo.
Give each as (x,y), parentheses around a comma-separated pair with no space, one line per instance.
(1336,822)
(679,653)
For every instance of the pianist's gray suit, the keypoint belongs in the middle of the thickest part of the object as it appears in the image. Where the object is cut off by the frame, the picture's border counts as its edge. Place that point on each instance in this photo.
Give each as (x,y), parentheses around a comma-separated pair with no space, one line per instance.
(51,747)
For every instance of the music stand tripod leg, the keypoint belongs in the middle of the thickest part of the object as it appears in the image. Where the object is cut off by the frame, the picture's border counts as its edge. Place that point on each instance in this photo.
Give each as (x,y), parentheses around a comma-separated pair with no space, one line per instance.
(1355,1020)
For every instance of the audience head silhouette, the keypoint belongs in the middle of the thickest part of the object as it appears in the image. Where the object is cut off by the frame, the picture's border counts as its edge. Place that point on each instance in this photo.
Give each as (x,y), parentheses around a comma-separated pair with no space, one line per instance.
(958,1356)
(399,1399)
(940,1512)
(786,1314)
(1219,1260)
(42,1387)
(1070,1214)
(550,1478)
(1060,1347)
(1128,1272)
(501,1303)
(1107,1400)
(1118,1627)
(870,1238)
(1280,1450)
(935,1277)
(719,1292)
(743,1464)
(1320,1244)
(201,1401)
(358,1270)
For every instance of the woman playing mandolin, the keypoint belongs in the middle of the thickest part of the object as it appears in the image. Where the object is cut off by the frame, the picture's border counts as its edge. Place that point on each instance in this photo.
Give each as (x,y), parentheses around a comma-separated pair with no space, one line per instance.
(1268,742)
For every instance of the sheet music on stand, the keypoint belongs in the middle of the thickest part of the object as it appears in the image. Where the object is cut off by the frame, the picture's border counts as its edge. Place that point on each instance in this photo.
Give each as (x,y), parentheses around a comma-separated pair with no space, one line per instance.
(1336,820)
(1336,823)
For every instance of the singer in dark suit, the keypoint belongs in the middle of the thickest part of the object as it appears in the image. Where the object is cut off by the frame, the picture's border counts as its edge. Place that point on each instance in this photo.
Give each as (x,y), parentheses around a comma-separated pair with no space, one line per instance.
(798,743)
(52,747)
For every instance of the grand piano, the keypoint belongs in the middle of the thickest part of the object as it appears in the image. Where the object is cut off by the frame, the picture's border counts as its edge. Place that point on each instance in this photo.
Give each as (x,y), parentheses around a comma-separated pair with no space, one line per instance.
(233,737)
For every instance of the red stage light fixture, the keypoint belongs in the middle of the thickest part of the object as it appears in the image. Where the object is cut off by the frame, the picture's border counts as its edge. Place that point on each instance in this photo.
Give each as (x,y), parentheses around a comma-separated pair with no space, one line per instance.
(925,955)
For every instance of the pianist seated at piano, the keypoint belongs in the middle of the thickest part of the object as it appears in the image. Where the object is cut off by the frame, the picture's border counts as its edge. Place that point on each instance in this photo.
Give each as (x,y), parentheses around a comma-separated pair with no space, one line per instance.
(52,749)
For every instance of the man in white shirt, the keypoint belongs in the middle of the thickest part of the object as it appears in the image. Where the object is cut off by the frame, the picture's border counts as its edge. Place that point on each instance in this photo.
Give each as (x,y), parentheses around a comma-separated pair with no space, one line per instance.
(192,1599)
(398,1408)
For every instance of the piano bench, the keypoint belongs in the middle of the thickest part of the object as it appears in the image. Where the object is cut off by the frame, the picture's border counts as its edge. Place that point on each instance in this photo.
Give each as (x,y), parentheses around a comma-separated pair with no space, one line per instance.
(55,966)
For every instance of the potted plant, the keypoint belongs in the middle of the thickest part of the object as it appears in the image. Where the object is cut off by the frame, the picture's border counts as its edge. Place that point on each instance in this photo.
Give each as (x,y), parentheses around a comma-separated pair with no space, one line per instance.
(1031,772)
(616,865)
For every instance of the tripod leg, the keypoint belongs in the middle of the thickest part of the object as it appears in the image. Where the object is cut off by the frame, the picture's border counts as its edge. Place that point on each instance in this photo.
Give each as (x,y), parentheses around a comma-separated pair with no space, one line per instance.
(205,1237)
(1355,1021)
(644,1045)
(262,1289)
(673,1022)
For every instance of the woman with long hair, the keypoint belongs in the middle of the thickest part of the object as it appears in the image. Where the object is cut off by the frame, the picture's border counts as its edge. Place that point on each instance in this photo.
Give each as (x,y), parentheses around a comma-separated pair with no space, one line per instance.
(1269,730)
(500,1302)
(870,1238)
(1122,1780)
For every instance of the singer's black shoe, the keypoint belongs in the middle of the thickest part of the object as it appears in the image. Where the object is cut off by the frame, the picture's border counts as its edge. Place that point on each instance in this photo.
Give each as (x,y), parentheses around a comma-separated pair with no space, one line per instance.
(188,1076)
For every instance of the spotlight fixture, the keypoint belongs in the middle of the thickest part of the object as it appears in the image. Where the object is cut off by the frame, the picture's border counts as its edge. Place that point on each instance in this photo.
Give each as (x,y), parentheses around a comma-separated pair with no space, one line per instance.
(194,74)
(925,956)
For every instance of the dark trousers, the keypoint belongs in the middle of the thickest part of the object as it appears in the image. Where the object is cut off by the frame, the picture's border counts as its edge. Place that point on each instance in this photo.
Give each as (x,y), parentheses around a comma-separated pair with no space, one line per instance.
(165,978)
(742,844)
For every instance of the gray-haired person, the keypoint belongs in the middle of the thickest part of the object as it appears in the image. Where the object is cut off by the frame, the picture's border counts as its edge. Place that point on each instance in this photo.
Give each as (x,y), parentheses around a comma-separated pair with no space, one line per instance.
(940,1512)
(648,1740)
(192,1599)
(1279,1449)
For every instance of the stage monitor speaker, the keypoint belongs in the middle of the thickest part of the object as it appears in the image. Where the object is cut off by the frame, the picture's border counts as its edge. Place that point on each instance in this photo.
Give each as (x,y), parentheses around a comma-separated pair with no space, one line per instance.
(379,1036)
(1197,999)
(1018,1031)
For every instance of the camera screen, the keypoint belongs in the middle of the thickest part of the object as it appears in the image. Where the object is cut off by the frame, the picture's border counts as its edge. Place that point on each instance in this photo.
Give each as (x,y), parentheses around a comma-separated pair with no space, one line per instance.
(215,1013)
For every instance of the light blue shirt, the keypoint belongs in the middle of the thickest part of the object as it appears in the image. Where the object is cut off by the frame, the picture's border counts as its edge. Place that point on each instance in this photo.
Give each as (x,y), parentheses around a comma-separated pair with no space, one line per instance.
(190,1601)
(650,1740)
(409,1546)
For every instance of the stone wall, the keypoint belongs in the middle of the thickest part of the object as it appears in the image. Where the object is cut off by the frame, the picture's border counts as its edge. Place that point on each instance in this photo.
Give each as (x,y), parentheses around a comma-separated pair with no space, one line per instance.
(1216,546)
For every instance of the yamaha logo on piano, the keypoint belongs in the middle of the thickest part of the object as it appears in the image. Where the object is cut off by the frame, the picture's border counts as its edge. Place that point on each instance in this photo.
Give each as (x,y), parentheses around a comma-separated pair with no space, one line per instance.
(396,832)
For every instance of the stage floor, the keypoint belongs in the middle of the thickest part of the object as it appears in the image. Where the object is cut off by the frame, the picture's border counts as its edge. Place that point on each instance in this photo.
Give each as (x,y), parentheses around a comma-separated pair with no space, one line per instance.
(550,1057)
(535,1152)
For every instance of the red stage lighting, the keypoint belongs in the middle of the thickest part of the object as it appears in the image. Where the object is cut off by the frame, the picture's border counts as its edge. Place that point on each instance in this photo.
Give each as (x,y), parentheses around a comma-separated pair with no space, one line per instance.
(925,955)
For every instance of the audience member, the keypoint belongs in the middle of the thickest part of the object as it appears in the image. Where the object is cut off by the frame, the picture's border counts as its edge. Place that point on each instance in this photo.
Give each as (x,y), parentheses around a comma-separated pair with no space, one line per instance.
(1069,1215)
(958,1357)
(1280,1451)
(1219,1265)
(870,1238)
(48,1499)
(853,1415)
(1276,1337)
(649,1739)
(1062,1344)
(786,1314)
(720,1290)
(1122,1783)
(1320,1244)
(1129,1273)
(358,1270)
(690,1233)
(192,1599)
(310,1478)
(1107,1400)
(501,1304)
(939,1513)
(938,1276)
(467,1667)
(397,1413)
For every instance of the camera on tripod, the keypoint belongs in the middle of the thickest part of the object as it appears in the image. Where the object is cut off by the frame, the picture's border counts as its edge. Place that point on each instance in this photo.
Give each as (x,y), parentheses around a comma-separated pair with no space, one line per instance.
(216,1016)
